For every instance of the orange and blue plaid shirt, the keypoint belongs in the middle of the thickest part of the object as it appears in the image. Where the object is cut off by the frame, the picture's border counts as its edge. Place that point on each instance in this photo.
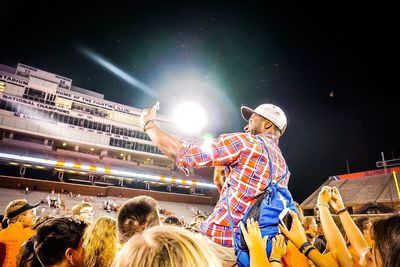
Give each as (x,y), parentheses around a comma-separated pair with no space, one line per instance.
(247,161)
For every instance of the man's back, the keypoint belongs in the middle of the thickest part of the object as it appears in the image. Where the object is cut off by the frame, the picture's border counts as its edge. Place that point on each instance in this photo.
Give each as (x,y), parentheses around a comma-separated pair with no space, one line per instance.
(248,160)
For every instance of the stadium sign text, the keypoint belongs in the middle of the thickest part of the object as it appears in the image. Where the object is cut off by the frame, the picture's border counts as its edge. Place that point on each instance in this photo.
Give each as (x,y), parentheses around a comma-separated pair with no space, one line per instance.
(31,103)
(93,102)
(19,100)
(12,80)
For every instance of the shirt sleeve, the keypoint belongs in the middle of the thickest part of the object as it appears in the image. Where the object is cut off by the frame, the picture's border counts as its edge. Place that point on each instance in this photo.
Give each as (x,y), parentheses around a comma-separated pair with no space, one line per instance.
(221,152)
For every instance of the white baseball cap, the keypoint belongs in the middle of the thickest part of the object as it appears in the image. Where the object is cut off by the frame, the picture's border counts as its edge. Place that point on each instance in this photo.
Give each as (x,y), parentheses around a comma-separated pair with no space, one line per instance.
(269,111)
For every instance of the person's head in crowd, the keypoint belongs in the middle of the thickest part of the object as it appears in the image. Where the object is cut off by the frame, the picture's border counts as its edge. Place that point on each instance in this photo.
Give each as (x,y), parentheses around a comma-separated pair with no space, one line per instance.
(58,242)
(200,218)
(193,225)
(172,220)
(83,211)
(42,220)
(320,230)
(135,215)
(364,224)
(320,242)
(166,246)
(101,242)
(19,212)
(386,236)
(310,225)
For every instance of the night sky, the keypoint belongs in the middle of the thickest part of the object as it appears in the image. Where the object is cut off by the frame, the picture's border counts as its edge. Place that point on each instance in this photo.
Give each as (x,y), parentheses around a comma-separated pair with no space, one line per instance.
(332,68)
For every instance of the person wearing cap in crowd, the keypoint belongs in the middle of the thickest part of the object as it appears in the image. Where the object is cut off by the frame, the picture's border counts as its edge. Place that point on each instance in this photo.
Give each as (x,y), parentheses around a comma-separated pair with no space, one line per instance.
(245,159)
(83,211)
(172,220)
(19,216)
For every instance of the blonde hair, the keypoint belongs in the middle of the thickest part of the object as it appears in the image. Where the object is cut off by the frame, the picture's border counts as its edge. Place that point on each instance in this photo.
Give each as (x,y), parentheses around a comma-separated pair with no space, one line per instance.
(307,221)
(166,246)
(101,242)
(13,206)
(76,210)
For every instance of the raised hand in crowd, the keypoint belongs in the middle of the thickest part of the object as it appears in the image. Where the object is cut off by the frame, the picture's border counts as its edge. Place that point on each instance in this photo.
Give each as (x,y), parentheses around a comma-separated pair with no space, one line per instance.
(333,236)
(296,233)
(353,233)
(325,196)
(297,236)
(279,248)
(336,200)
(256,243)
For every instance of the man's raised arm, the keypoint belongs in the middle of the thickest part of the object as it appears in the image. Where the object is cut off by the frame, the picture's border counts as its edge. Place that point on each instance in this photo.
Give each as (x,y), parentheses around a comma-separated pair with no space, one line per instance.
(168,144)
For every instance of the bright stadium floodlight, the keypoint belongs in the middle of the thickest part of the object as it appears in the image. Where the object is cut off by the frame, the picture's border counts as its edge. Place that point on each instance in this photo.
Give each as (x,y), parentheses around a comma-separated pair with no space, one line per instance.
(190,117)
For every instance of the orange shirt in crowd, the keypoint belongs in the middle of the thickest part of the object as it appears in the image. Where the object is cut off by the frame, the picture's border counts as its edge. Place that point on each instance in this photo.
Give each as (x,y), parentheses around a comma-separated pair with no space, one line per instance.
(354,253)
(370,242)
(294,257)
(13,237)
(355,256)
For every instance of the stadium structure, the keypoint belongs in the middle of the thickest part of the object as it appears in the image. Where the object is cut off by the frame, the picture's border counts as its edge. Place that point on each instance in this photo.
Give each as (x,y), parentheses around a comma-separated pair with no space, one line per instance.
(373,192)
(55,135)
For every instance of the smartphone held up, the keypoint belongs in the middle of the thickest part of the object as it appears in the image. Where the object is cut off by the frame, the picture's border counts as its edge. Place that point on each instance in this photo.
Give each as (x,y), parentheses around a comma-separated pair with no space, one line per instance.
(286,219)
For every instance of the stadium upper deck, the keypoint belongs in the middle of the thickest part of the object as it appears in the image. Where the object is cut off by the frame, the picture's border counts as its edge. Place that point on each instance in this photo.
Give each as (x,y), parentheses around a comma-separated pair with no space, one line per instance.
(76,134)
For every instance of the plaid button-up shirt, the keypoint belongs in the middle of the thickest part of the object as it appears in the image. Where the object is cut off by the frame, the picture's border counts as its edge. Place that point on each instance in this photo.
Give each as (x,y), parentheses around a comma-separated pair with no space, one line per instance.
(248,176)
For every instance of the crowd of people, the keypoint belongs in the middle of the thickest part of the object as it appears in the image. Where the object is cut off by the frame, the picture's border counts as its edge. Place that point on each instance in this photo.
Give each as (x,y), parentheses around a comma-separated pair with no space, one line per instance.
(140,237)
(247,165)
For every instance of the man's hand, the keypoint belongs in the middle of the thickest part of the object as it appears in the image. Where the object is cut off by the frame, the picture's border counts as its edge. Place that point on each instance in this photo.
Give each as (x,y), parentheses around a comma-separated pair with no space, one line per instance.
(168,144)
(148,114)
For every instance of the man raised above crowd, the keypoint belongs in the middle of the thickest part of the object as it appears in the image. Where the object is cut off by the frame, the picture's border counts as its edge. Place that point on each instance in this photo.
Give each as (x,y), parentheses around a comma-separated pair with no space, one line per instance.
(245,159)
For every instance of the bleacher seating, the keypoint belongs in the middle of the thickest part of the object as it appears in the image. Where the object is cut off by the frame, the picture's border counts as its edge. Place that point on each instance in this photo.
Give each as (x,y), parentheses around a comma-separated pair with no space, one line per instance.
(179,209)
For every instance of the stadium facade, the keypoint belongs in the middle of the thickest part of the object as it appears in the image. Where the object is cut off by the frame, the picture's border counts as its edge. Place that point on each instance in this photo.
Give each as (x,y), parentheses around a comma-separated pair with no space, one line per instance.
(52,129)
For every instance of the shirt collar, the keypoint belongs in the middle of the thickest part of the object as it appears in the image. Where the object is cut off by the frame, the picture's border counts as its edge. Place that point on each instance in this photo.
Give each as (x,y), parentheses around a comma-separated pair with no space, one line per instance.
(15,225)
(270,136)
